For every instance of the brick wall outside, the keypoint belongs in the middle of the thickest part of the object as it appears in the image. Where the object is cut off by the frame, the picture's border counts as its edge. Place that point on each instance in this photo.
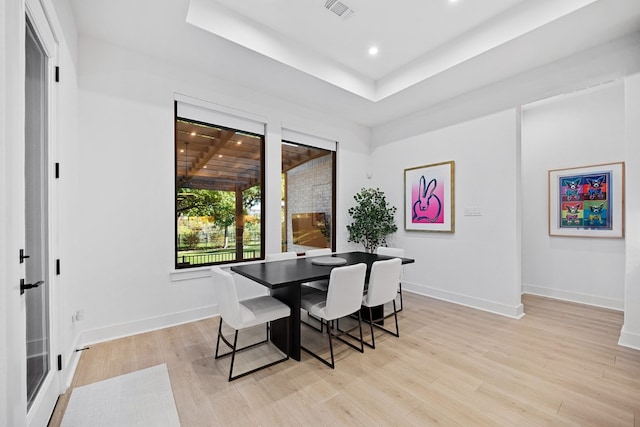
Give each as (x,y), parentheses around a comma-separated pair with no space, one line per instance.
(309,191)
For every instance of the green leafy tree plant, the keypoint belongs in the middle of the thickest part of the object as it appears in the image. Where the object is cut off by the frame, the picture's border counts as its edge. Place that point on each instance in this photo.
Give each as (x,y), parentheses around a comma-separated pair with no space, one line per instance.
(191,240)
(219,205)
(372,219)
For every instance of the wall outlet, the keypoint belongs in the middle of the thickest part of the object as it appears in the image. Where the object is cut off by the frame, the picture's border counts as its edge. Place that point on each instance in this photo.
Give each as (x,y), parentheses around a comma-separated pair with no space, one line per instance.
(77,316)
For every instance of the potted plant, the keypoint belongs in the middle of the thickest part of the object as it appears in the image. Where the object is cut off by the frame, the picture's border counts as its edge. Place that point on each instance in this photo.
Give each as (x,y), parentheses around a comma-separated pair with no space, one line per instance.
(372,219)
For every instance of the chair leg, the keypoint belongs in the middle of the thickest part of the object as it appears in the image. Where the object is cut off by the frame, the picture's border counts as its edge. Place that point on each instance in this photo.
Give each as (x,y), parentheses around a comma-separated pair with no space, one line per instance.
(400,292)
(337,336)
(360,326)
(231,345)
(233,355)
(373,336)
(372,324)
(361,349)
(333,364)
(371,320)
(235,350)
(288,337)
(395,316)
(219,335)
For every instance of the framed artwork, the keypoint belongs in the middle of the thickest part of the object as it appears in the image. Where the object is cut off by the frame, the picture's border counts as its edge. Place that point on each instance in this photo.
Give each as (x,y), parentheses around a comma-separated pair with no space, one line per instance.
(429,198)
(587,201)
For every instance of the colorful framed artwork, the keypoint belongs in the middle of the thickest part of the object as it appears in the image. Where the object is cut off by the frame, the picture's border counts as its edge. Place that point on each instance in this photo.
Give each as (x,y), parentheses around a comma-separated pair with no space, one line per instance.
(587,201)
(429,198)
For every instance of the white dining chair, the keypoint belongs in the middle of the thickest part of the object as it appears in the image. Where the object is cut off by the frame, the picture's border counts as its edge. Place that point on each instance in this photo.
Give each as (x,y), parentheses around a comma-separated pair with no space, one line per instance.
(343,298)
(318,284)
(318,252)
(280,256)
(245,314)
(382,289)
(399,253)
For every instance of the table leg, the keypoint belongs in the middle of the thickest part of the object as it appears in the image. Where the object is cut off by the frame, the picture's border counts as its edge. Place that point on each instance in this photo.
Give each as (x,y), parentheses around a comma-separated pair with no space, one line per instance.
(289,295)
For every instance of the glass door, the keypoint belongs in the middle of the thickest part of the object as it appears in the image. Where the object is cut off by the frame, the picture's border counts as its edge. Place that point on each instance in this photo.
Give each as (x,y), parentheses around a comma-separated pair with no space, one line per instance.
(35,255)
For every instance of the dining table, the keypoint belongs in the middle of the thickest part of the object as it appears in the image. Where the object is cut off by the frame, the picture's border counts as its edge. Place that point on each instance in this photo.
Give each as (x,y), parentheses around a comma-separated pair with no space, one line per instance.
(285,279)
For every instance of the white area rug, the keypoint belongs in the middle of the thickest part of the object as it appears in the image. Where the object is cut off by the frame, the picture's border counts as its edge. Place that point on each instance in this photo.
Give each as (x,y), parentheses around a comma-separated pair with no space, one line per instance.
(141,398)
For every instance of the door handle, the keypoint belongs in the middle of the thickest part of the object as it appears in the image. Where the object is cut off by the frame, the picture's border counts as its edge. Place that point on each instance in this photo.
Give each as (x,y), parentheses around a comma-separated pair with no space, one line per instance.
(25,286)
(23,256)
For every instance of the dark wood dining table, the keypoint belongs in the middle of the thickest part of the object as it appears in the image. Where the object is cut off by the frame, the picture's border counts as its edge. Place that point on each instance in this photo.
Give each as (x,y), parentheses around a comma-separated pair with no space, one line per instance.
(284,279)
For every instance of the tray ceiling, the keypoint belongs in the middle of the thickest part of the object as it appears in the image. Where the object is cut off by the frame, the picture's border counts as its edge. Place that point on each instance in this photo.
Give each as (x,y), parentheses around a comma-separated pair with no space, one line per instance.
(416,39)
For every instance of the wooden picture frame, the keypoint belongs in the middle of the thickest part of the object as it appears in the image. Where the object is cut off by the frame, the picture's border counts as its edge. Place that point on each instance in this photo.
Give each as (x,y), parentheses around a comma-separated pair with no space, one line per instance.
(429,202)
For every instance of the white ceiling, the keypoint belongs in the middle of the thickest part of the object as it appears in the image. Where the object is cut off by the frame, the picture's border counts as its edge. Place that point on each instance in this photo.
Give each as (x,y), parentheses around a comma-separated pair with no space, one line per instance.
(299,51)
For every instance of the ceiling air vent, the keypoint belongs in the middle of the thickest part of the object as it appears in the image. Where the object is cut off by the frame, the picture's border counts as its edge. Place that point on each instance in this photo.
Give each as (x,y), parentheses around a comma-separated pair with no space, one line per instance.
(339,8)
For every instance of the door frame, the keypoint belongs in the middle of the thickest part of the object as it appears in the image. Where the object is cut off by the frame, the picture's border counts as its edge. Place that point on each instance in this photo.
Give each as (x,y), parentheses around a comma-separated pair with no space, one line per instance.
(44,403)
(13,395)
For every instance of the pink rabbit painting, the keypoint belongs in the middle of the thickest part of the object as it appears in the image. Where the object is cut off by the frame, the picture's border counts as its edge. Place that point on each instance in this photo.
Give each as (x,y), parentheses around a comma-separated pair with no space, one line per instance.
(427,205)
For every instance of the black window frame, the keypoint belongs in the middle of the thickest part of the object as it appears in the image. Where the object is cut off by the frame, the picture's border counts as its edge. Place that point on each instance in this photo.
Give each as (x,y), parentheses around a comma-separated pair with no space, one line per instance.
(262,176)
(334,192)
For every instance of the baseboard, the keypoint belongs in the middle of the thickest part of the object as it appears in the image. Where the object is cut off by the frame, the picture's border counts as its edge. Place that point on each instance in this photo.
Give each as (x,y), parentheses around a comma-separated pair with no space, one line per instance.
(94,336)
(629,339)
(597,301)
(72,364)
(515,312)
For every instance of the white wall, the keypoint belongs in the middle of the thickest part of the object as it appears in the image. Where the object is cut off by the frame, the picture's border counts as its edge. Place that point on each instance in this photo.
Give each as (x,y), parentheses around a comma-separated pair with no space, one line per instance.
(123,215)
(478,265)
(585,128)
(630,334)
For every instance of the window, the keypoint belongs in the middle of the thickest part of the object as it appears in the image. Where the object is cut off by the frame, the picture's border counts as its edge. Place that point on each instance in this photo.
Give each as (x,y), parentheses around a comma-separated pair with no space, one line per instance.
(219,187)
(308,203)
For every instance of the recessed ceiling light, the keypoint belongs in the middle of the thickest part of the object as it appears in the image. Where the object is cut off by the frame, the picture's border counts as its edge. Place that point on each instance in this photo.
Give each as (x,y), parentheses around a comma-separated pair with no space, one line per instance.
(373,50)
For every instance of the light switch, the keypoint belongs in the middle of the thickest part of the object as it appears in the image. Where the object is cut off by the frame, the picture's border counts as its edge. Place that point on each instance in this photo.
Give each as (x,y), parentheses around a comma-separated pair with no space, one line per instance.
(472,211)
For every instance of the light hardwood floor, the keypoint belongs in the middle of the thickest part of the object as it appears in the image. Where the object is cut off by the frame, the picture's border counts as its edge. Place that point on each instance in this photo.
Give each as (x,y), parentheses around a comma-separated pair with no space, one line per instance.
(452,365)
